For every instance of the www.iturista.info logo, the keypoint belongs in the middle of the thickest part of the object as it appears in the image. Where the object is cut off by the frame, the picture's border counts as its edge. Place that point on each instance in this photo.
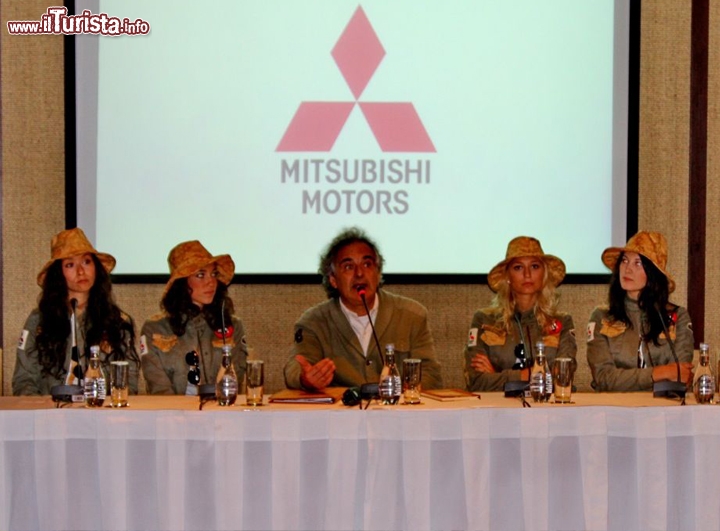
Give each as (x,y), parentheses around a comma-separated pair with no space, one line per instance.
(395,125)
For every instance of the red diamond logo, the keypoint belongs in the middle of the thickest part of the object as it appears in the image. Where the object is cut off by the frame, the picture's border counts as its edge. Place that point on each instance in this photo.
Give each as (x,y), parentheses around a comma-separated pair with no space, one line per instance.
(396,125)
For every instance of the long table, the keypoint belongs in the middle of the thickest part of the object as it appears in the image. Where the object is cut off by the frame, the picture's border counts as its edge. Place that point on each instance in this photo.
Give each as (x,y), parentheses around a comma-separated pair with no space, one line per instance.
(620,461)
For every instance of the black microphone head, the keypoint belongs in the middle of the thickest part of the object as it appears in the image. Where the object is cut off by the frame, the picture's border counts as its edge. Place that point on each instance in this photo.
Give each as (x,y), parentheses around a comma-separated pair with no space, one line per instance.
(369,390)
(73,303)
(351,397)
(207,391)
(66,393)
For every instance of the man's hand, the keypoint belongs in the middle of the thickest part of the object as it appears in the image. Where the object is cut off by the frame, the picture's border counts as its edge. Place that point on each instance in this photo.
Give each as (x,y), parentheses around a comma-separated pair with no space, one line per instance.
(316,376)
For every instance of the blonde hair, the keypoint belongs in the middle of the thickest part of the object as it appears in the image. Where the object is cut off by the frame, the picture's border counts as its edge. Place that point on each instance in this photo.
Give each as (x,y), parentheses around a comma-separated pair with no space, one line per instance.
(545,307)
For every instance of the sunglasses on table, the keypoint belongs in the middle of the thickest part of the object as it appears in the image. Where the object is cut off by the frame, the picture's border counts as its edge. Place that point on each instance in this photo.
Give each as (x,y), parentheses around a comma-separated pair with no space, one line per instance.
(193,360)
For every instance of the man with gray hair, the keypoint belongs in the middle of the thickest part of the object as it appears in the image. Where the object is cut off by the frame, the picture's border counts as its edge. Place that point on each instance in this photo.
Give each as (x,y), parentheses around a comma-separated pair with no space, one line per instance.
(334,345)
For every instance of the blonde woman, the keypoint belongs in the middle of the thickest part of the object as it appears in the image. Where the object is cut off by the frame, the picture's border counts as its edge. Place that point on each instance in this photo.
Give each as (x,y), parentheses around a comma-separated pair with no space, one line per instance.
(502,337)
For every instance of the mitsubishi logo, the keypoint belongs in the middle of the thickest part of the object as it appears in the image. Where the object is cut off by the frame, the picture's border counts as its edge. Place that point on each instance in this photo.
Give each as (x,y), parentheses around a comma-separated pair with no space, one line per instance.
(318,124)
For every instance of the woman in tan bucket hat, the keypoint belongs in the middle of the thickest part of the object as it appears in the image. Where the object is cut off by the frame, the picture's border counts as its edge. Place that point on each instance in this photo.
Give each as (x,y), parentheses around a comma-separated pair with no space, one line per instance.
(628,348)
(182,346)
(502,337)
(75,272)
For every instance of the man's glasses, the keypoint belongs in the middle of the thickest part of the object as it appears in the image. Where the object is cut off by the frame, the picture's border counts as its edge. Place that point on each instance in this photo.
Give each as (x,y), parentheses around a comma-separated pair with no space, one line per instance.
(192,359)
(520,358)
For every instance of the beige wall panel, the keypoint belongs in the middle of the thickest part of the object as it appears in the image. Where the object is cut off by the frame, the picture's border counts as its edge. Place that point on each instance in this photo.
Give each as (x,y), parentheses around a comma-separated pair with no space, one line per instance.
(33,202)
(712,259)
(664,129)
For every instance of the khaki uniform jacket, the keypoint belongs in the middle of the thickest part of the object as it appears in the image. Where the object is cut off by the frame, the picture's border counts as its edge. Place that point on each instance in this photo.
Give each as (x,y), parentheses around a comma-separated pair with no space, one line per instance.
(485,336)
(28,378)
(163,353)
(612,349)
(324,332)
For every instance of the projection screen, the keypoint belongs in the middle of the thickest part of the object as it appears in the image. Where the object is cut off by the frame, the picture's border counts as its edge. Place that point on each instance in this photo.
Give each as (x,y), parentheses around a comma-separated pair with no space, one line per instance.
(444,129)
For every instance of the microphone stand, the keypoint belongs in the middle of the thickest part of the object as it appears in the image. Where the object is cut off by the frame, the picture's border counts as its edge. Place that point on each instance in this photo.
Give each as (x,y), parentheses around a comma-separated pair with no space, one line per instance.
(76,367)
(361,292)
(367,391)
(669,388)
(370,390)
(206,391)
(519,387)
(70,392)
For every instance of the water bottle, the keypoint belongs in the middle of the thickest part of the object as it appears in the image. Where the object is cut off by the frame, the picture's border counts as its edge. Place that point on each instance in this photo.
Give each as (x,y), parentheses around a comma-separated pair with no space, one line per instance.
(539,375)
(226,385)
(95,383)
(390,386)
(704,381)
(548,373)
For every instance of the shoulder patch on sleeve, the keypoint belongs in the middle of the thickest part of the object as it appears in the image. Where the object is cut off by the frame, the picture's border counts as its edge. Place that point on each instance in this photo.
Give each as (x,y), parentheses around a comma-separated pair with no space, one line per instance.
(298,335)
(590,331)
(143,345)
(472,337)
(23,339)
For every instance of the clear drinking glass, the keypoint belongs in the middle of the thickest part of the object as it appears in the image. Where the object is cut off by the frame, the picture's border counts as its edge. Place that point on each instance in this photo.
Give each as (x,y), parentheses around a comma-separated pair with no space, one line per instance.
(563,372)
(119,383)
(254,378)
(412,378)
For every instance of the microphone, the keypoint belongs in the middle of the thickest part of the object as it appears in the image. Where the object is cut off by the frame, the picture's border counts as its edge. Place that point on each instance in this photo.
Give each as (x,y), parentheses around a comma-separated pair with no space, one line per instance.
(222,320)
(669,388)
(207,391)
(516,388)
(361,291)
(71,392)
(355,395)
(75,370)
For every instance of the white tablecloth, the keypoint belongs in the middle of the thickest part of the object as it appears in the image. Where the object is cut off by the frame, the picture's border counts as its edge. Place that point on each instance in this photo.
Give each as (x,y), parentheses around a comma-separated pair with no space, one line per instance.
(487,464)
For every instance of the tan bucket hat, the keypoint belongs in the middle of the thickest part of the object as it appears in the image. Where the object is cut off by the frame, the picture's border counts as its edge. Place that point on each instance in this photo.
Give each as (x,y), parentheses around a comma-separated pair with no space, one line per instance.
(73,242)
(526,246)
(188,257)
(652,245)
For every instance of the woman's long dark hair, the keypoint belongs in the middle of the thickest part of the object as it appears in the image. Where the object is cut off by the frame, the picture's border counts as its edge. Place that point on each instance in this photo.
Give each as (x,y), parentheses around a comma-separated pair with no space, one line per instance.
(180,307)
(104,322)
(653,299)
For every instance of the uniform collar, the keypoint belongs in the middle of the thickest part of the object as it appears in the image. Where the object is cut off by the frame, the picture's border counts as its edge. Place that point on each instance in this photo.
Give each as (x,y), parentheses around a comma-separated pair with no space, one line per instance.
(631,305)
(527,315)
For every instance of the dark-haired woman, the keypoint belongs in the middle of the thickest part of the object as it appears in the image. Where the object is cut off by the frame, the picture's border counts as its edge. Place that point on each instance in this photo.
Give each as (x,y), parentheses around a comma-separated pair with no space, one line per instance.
(502,337)
(182,346)
(76,300)
(628,345)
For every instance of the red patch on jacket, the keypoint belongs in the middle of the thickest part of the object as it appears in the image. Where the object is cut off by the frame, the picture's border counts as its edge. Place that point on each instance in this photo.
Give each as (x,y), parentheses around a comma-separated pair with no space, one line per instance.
(554,328)
(228,332)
